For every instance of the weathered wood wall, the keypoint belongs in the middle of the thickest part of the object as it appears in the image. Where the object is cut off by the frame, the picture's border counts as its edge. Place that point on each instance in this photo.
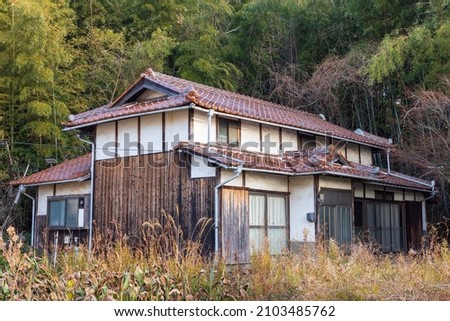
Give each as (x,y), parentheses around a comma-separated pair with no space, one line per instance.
(413,225)
(235,228)
(132,190)
(40,235)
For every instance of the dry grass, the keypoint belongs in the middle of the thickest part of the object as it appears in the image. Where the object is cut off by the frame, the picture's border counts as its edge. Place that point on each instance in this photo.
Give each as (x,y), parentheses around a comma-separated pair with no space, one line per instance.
(172,269)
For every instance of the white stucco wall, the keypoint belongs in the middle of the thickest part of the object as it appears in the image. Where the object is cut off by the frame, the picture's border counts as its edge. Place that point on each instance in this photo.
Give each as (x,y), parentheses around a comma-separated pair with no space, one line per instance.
(200,127)
(250,140)
(366,155)
(352,152)
(228,173)
(289,139)
(73,188)
(272,134)
(105,141)
(127,137)
(336,183)
(176,127)
(301,202)
(151,134)
(268,182)
(44,191)
(200,168)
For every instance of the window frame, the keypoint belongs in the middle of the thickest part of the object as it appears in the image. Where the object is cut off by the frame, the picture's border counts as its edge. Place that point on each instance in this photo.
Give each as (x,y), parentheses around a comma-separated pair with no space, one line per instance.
(266,227)
(65,198)
(228,121)
(367,233)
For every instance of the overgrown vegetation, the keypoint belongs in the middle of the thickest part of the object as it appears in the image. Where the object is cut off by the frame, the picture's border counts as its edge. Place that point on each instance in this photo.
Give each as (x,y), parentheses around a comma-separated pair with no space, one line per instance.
(119,272)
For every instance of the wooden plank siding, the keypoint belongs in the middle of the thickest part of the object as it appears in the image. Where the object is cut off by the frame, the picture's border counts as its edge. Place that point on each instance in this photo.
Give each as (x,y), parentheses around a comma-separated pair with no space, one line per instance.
(40,235)
(133,190)
(235,228)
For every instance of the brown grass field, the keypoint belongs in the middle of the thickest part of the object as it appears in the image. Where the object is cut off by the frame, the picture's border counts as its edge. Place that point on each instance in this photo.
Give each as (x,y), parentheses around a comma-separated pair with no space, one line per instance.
(167,269)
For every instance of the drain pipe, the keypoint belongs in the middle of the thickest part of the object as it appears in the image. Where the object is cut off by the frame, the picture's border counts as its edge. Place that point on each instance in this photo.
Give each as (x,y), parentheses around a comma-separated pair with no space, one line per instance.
(210,115)
(237,172)
(33,209)
(91,200)
(388,158)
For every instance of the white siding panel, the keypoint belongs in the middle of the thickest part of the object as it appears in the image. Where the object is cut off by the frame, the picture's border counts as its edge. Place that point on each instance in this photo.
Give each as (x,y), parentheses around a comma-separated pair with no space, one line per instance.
(267,182)
(289,139)
(176,127)
(44,191)
(336,183)
(73,188)
(200,168)
(250,140)
(200,130)
(272,134)
(105,140)
(151,134)
(127,130)
(301,203)
(366,155)
(352,153)
(228,173)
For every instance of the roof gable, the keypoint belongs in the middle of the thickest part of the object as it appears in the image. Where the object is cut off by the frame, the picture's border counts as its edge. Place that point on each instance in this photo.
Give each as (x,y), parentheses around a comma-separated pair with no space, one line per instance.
(144,90)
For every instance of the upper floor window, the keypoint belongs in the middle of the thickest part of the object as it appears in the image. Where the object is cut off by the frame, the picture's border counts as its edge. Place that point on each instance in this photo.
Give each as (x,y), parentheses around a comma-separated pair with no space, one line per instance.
(228,132)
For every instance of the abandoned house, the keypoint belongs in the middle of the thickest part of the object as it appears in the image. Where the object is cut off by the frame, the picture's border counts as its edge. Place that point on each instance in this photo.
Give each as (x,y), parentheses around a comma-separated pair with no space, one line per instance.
(259,171)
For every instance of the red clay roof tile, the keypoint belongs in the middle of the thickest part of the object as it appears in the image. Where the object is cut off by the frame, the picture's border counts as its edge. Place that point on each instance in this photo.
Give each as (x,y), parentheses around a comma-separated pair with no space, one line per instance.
(67,171)
(226,102)
(312,161)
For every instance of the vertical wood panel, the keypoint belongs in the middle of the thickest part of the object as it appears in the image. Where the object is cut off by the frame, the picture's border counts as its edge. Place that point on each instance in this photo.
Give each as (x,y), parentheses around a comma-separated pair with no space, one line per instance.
(138,188)
(235,229)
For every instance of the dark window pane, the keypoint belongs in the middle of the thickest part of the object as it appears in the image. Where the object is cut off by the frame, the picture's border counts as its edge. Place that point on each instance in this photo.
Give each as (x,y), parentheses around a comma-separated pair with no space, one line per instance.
(233,133)
(223,132)
(57,212)
(72,212)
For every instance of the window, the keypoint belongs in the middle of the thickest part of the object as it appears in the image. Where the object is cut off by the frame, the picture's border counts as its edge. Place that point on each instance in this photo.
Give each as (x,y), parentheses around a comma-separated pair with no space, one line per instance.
(67,212)
(228,132)
(336,223)
(335,215)
(268,217)
(384,223)
(383,195)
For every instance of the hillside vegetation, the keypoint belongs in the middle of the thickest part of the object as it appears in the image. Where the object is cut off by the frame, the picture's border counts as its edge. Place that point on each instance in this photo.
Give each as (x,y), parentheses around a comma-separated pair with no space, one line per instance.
(382,66)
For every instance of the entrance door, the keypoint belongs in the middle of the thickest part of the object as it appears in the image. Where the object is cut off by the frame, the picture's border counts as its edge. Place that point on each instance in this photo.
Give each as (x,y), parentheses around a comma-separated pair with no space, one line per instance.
(414,225)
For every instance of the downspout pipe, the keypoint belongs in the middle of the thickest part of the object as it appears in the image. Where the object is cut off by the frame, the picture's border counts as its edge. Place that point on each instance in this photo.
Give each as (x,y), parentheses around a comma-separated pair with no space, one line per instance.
(210,115)
(33,209)
(91,200)
(237,172)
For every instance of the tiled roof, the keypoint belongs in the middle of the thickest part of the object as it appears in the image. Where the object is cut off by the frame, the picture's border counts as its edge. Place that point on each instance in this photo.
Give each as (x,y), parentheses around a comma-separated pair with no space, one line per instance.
(323,161)
(226,102)
(70,170)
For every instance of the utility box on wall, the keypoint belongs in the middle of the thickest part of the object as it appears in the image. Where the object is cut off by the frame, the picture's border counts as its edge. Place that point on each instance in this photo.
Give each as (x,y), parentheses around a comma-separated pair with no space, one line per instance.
(311,217)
